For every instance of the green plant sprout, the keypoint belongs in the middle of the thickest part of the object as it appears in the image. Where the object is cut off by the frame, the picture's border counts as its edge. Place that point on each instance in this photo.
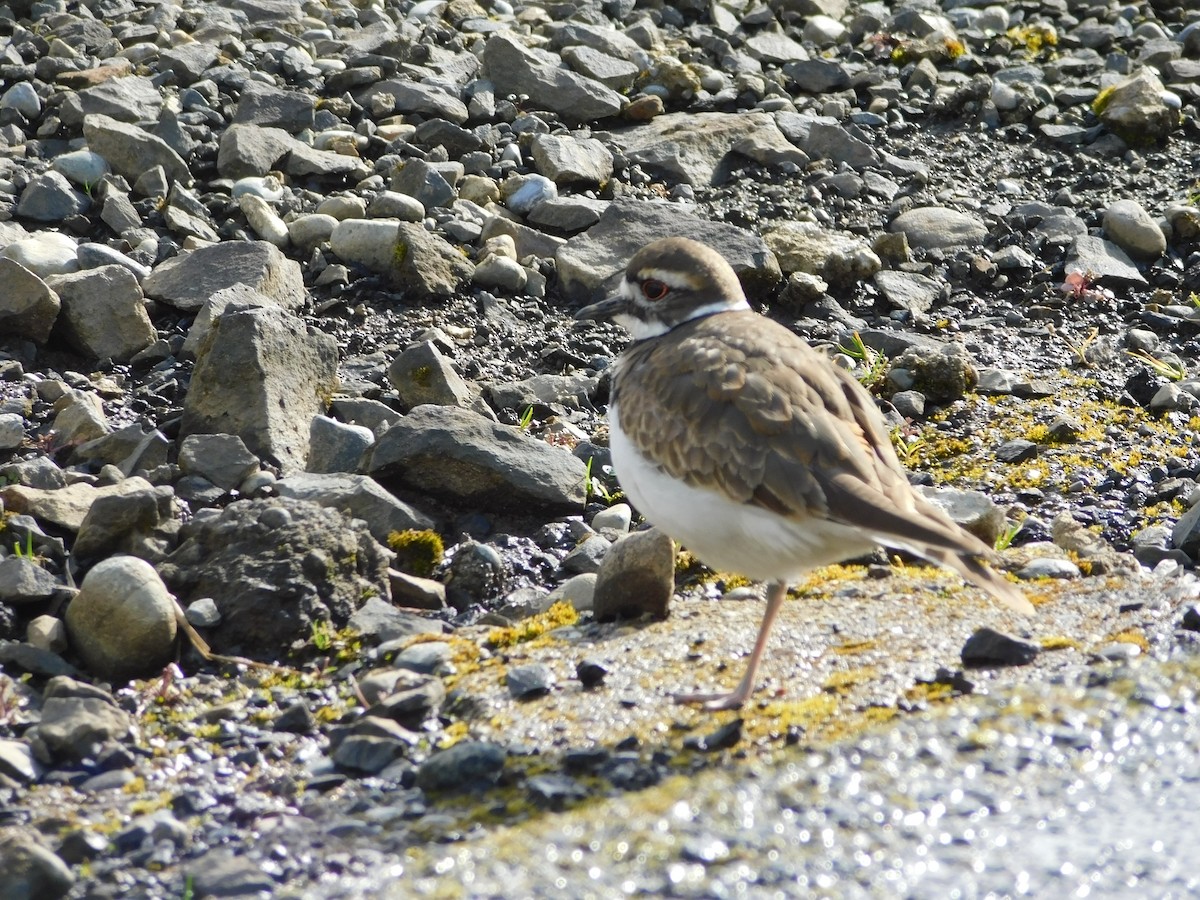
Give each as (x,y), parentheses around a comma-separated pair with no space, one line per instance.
(1168,370)
(908,446)
(322,634)
(526,419)
(1079,349)
(873,362)
(594,486)
(1005,538)
(27,551)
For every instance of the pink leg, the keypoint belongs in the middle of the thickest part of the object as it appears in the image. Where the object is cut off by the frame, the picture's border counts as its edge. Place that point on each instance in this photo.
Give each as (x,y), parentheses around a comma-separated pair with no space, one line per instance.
(776,591)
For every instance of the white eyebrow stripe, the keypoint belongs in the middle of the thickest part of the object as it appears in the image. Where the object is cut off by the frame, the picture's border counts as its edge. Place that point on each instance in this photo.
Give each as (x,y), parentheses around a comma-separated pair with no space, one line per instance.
(670,277)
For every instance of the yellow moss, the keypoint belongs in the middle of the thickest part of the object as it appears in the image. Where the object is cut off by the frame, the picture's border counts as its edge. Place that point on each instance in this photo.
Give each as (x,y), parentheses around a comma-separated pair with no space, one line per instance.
(418,551)
(556,616)
(841,682)
(1131,636)
(136,786)
(1102,100)
(1059,642)
(851,647)
(930,692)
(827,575)
(452,734)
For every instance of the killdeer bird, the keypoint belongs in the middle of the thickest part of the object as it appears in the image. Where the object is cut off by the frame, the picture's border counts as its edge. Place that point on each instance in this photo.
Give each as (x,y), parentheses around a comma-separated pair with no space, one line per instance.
(752,449)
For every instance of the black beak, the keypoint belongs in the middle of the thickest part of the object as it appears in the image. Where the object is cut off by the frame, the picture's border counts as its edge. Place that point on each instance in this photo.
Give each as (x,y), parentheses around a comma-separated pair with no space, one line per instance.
(605,309)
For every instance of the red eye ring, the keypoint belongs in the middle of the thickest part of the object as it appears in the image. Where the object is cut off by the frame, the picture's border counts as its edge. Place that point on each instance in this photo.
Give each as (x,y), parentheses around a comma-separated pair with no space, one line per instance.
(653,289)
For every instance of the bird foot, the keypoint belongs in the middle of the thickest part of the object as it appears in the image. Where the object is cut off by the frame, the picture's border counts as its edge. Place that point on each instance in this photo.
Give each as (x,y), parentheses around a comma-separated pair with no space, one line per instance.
(712,702)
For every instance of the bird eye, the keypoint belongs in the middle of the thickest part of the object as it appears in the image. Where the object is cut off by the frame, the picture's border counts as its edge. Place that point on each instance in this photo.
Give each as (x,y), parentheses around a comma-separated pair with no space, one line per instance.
(653,289)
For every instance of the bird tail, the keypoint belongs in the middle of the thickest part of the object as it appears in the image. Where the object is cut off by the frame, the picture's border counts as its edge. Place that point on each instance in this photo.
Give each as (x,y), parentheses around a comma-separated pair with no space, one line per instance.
(975,570)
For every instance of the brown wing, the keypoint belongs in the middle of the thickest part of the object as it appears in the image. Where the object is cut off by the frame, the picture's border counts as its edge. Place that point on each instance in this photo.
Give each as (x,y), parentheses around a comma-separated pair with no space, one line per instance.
(741,402)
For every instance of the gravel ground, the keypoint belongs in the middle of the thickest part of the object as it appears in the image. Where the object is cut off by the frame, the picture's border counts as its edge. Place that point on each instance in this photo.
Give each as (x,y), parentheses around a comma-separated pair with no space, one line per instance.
(879,757)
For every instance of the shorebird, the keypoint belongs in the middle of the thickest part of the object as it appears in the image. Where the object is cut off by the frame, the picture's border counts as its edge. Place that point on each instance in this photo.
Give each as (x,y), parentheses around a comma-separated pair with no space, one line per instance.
(753,450)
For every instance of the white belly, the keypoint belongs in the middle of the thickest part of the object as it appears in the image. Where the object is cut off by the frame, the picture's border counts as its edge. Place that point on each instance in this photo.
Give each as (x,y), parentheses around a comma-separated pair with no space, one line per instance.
(730,536)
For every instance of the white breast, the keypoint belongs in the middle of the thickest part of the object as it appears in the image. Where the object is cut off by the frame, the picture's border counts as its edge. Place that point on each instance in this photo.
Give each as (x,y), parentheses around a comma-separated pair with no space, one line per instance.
(729,536)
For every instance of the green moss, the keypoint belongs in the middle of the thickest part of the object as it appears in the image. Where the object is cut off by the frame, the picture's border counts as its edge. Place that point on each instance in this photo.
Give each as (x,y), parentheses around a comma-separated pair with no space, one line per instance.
(1103,99)
(418,551)
(399,254)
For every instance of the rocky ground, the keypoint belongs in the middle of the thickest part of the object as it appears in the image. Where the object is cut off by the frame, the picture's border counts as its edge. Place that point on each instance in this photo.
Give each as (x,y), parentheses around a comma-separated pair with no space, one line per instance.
(307,566)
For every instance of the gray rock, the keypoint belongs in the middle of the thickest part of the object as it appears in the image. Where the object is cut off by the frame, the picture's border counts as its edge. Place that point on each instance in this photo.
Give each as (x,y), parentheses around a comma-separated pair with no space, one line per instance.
(942,373)
(94,256)
(20,657)
(973,511)
(395,205)
(516,69)
(908,290)
(475,574)
(415,97)
(79,417)
(563,391)
(578,590)
(1048,567)
(372,414)
(44,254)
(1185,535)
(49,197)
(369,753)
(528,241)
(414,258)
(203,613)
(358,496)
(416,592)
(703,148)
(610,71)
(31,869)
(214,306)
(1104,260)
(817,76)
(567,160)
(24,581)
(464,458)
(523,192)
(528,681)
(22,98)
(334,446)
(1133,229)
(274,567)
(637,577)
(12,431)
(187,281)
(936,227)
(65,507)
(103,314)
(427,657)
(836,257)
(130,150)
(77,718)
(829,140)
(567,215)
(220,873)
(468,765)
(17,761)
(591,264)
(500,272)
(616,518)
(134,98)
(187,61)
(1136,111)
(309,231)
(303,161)
(247,150)
(266,105)
(424,183)
(130,449)
(262,375)
(122,621)
(221,458)
(38,472)
(28,307)
(988,648)
(421,375)
(378,620)
(47,633)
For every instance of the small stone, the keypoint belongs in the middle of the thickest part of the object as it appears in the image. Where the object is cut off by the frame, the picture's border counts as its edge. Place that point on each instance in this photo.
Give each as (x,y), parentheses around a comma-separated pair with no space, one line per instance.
(1048,567)
(465,766)
(987,648)
(592,672)
(529,681)
(636,577)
